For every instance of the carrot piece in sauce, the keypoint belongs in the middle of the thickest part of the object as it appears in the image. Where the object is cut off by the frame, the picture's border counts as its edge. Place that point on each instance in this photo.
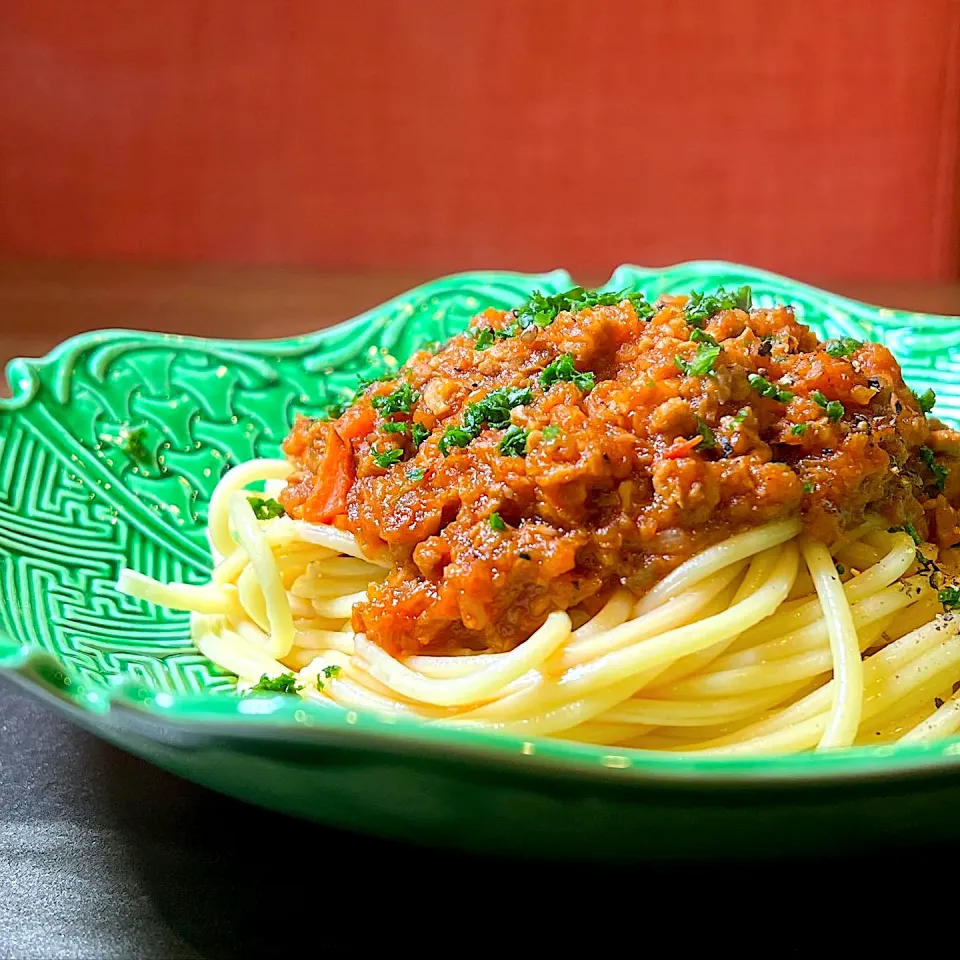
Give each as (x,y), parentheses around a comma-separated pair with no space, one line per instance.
(328,499)
(357,421)
(681,448)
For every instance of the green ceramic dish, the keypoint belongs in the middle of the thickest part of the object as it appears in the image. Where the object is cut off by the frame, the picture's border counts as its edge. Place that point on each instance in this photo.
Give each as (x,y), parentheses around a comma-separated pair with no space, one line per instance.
(75,508)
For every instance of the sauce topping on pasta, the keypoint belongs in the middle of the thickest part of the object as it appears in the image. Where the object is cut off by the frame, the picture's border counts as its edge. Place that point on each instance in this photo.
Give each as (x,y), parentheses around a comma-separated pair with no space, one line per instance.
(581,441)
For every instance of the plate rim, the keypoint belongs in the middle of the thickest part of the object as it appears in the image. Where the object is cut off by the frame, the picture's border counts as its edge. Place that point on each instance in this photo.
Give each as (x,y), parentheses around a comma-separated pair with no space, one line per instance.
(285,718)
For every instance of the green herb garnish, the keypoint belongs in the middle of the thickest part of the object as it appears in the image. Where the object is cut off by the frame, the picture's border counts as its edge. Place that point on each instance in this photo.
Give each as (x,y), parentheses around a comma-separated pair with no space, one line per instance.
(701,307)
(496,522)
(337,409)
(484,338)
(709,438)
(493,410)
(808,487)
(799,429)
(564,368)
(332,672)
(415,474)
(907,528)
(514,442)
(702,363)
(925,400)
(551,432)
(387,458)
(949,597)
(418,433)
(400,401)
(701,336)
(395,426)
(130,441)
(939,472)
(266,509)
(767,389)
(842,346)
(285,683)
(742,415)
(454,437)
(542,309)
(833,408)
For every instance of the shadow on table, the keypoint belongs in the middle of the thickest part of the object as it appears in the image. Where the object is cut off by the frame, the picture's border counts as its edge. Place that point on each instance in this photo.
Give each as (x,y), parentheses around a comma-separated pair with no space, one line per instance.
(236,881)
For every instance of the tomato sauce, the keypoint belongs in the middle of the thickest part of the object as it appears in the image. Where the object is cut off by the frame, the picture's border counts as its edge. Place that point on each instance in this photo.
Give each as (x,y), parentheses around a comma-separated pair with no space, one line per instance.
(637,437)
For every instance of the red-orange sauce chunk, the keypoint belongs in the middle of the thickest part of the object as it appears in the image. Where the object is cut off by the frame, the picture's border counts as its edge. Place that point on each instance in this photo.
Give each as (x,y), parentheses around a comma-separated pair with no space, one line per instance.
(635,474)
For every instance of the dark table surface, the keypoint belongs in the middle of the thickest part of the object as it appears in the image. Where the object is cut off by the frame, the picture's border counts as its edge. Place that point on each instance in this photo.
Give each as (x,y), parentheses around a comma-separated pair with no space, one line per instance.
(104,856)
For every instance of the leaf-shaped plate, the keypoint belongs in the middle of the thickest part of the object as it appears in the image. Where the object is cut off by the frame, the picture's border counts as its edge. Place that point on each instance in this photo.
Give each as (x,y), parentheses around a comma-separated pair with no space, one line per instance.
(75,508)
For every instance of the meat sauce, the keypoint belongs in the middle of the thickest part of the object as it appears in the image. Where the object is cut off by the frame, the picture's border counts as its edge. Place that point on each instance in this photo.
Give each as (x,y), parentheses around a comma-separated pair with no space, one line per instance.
(522,469)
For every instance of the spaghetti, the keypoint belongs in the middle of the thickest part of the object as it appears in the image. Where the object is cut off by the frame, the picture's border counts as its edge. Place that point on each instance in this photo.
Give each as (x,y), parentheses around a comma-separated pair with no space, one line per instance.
(767,637)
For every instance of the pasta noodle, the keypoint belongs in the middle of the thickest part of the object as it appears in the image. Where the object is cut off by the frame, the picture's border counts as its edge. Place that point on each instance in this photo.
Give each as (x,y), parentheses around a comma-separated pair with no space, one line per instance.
(753,645)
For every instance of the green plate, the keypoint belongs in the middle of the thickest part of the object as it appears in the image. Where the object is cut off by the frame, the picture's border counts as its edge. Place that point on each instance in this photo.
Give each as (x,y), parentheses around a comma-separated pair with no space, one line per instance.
(75,508)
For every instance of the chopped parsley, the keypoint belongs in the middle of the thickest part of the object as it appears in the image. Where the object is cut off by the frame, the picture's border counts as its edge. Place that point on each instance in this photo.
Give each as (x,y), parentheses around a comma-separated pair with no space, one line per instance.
(514,442)
(542,309)
(493,410)
(485,337)
(418,433)
(949,598)
(285,683)
(833,408)
(939,472)
(767,389)
(337,409)
(709,438)
(400,401)
(551,432)
(742,415)
(266,509)
(701,307)
(387,458)
(702,363)
(454,437)
(327,673)
(907,528)
(130,441)
(366,380)
(415,474)
(564,368)
(808,487)
(799,429)
(929,569)
(395,426)
(842,346)
(925,400)
(700,336)
(496,522)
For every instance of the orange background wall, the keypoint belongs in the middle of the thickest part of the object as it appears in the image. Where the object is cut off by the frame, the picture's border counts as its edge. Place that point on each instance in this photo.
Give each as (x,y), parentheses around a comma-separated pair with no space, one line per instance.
(815,137)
